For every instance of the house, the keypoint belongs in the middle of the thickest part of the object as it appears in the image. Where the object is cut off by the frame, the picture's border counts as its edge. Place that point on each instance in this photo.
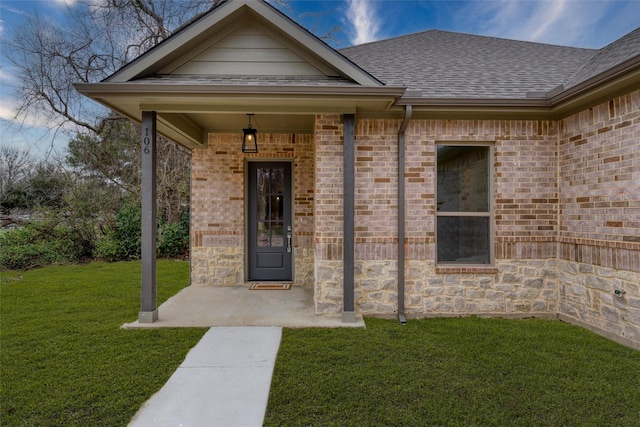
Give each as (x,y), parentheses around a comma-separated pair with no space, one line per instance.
(433,174)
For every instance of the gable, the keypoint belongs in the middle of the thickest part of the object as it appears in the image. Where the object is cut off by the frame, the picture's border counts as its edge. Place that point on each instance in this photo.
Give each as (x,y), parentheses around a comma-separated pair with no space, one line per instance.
(230,40)
(249,49)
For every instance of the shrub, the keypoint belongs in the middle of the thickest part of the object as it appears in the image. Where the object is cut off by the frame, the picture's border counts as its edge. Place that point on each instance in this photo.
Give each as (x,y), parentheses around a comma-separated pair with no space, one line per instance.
(122,239)
(173,239)
(41,243)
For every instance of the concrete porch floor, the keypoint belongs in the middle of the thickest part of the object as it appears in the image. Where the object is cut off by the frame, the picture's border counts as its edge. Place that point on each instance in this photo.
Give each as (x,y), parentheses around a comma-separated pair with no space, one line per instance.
(208,306)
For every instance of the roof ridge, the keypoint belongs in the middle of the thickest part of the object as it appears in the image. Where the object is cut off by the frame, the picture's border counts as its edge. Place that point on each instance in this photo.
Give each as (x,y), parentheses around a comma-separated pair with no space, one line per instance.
(435,30)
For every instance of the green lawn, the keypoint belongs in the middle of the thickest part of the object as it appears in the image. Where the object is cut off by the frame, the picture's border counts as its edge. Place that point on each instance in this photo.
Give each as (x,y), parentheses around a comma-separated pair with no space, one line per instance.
(66,362)
(451,372)
(64,359)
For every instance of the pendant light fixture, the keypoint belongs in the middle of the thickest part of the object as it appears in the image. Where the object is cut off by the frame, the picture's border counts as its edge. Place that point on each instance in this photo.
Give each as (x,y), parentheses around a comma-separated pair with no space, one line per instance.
(249,138)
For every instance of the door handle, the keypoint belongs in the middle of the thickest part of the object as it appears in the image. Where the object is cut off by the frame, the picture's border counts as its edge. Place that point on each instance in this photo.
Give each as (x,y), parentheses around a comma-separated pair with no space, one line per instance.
(288,243)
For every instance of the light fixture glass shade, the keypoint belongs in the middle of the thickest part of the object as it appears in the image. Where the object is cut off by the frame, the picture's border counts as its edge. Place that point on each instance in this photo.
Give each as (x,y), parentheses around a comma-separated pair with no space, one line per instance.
(249,140)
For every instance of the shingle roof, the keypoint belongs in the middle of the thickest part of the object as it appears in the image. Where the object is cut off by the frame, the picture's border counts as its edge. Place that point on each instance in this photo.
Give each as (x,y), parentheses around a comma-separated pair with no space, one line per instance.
(192,79)
(619,51)
(441,64)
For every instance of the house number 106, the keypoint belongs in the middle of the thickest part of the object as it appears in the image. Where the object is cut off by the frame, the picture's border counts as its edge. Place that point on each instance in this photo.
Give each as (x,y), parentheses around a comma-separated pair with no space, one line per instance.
(146,141)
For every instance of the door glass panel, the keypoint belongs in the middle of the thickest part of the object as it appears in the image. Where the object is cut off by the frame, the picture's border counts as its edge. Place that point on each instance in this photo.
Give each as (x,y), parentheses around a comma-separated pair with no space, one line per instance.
(270,207)
(261,208)
(262,180)
(276,208)
(277,181)
(277,234)
(263,234)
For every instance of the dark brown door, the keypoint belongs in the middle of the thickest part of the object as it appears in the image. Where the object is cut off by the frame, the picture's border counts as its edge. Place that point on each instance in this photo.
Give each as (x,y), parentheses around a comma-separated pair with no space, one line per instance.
(269,224)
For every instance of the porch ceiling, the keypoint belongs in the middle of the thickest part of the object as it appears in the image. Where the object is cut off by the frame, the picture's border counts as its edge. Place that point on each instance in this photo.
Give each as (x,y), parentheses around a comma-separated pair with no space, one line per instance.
(188,114)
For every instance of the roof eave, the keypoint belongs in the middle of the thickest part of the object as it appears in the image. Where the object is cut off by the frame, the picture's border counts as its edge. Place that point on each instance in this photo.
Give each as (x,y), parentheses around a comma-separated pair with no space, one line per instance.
(93,90)
(147,63)
(606,85)
(557,103)
(478,108)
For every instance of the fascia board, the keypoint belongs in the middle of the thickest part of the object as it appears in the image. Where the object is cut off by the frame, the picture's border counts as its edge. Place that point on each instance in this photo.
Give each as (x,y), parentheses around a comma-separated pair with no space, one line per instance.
(131,89)
(157,53)
(611,83)
(474,102)
(167,128)
(314,44)
(477,108)
(261,10)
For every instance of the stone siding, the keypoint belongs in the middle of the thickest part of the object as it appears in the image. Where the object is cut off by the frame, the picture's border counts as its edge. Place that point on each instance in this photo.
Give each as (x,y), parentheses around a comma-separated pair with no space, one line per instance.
(604,299)
(599,234)
(328,230)
(566,200)
(515,288)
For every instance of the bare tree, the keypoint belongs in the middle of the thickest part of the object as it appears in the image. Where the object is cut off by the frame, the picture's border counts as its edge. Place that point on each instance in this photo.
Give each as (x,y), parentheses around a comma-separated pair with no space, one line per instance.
(100,37)
(14,166)
(111,160)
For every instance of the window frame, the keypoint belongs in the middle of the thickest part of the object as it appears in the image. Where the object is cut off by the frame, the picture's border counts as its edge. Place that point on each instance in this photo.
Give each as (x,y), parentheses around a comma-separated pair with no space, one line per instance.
(490,214)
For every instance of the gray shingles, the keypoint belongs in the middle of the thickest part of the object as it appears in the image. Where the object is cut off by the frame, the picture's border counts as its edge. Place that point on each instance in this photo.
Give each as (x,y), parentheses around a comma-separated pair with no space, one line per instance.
(191,79)
(624,48)
(441,64)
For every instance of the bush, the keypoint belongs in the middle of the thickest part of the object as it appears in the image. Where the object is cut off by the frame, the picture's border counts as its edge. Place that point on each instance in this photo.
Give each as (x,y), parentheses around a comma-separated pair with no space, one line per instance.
(173,239)
(42,243)
(122,239)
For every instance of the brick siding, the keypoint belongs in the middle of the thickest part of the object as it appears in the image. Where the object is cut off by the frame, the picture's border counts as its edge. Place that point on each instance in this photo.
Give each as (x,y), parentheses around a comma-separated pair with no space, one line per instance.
(217,205)
(566,204)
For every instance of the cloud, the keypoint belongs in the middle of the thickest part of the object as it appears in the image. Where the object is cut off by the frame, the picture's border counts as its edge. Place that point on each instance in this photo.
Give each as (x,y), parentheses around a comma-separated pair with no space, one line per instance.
(362,17)
(563,22)
(66,2)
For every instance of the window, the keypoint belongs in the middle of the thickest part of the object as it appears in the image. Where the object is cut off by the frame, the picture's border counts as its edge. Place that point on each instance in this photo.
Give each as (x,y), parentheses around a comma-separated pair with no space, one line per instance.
(464,214)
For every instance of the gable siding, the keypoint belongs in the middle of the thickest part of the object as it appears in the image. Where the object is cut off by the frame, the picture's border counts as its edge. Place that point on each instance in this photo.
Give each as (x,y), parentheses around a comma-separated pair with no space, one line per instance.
(250,50)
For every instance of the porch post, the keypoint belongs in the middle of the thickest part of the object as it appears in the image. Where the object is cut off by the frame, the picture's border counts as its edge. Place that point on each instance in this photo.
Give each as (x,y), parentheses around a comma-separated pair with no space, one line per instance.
(348,306)
(148,309)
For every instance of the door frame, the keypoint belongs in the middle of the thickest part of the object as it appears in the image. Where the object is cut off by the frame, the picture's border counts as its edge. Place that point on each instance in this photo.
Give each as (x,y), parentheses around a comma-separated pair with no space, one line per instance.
(246,211)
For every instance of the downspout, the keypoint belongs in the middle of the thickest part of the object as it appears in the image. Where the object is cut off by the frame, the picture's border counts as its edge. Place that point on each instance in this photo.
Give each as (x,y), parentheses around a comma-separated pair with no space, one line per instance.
(401,210)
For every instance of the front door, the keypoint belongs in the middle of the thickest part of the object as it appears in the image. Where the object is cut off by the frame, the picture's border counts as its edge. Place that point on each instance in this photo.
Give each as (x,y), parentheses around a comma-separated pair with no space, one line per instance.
(269,221)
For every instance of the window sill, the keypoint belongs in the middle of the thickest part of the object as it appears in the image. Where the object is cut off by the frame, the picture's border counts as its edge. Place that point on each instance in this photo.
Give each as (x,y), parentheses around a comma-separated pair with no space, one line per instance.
(467,269)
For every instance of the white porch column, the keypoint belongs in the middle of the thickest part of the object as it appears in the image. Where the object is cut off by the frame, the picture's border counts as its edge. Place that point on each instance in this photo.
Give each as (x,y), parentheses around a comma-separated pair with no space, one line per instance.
(148,307)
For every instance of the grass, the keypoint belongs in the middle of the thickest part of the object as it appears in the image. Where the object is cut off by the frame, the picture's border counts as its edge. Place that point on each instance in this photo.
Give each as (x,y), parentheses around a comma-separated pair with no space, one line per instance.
(454,372)
(64,359)
(66,362)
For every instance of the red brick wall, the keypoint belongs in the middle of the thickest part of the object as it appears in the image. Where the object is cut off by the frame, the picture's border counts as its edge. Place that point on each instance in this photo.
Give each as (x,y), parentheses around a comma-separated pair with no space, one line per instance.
(525,183)
(217,202)
(329,188)
(599,172)
(376,189)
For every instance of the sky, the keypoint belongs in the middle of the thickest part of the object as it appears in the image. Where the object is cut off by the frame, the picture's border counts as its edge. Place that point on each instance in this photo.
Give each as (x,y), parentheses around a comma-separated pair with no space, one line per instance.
(578,23)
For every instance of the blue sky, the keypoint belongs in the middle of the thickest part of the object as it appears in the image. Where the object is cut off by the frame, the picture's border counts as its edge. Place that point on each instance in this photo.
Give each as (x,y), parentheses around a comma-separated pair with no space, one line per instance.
(580,23)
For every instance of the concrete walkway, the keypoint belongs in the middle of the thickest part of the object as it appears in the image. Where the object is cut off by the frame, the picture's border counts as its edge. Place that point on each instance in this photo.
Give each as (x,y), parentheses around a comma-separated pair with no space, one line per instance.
(223,381)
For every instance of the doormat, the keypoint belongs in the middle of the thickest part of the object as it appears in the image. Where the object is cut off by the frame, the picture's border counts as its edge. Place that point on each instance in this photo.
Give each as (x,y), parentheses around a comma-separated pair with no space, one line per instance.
(270,286)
